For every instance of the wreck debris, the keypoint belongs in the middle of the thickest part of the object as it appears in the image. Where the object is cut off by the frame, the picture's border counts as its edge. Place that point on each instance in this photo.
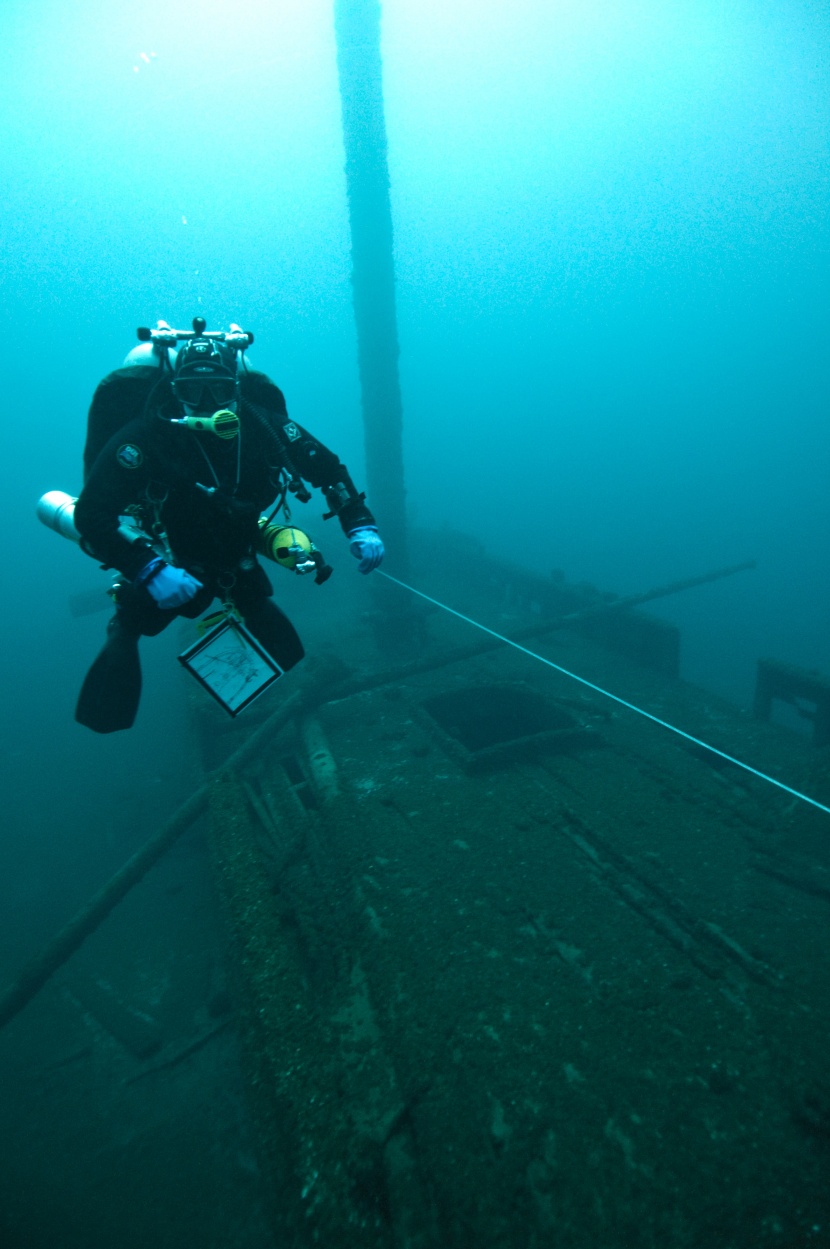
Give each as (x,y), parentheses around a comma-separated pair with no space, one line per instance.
(321,765)
(807,692)
(73,934)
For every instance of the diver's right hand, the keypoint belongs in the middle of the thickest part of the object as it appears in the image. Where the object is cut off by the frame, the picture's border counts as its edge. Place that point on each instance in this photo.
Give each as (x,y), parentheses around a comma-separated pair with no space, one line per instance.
(169,586)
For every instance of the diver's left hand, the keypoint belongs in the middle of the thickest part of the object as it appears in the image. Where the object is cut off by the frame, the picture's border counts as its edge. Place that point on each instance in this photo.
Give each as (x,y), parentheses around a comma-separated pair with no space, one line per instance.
(365,544)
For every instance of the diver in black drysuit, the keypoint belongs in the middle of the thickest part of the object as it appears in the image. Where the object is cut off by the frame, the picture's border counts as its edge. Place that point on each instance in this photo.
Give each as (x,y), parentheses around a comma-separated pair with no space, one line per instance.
(199,497)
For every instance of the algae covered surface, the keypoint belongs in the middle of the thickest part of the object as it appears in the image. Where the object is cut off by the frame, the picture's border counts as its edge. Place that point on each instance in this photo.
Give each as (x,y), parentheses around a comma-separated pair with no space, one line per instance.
(563,997)
(470,954)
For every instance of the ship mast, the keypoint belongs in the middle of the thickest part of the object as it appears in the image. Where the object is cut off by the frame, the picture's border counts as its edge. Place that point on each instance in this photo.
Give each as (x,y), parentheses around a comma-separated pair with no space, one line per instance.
(357,31)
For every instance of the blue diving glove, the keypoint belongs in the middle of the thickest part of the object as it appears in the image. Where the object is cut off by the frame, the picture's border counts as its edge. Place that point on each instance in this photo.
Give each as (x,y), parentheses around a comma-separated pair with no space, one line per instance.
(169,586)
(365,544)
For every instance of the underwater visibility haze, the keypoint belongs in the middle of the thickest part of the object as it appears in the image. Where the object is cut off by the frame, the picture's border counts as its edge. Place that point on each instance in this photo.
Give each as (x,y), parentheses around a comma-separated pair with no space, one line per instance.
(610,225)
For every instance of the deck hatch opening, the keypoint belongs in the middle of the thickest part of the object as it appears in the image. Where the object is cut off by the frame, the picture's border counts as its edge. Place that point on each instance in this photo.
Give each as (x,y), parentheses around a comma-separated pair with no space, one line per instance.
(489,721)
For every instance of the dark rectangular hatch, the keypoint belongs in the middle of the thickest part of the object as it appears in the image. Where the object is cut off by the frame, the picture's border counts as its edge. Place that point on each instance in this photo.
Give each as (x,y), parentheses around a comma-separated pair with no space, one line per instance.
(493,724)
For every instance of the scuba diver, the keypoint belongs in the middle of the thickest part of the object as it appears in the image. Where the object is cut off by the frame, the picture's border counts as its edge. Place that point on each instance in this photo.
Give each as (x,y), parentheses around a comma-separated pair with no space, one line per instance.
(186,447)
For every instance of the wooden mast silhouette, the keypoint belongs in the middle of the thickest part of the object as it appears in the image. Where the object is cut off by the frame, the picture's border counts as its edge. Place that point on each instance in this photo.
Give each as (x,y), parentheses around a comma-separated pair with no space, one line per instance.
(357,32)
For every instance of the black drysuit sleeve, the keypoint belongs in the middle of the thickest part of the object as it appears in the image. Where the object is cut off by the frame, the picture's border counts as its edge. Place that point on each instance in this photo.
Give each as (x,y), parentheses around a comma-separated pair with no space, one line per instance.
(303,455)
(116,481)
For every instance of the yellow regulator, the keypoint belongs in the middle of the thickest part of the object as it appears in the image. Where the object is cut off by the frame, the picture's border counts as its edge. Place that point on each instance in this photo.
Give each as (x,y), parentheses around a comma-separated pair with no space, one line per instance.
(290,547)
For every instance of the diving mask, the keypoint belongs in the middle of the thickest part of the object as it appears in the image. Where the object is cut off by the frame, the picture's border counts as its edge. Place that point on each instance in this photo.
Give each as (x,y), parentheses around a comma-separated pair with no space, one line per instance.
(205,395)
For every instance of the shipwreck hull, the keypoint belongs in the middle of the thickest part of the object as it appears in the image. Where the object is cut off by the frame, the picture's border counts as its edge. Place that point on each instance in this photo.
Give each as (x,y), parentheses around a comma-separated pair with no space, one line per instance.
(565,994)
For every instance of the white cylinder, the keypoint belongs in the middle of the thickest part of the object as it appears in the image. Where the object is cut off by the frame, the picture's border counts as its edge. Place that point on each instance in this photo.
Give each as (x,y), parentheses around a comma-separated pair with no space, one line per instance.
(56,510)
(320,760)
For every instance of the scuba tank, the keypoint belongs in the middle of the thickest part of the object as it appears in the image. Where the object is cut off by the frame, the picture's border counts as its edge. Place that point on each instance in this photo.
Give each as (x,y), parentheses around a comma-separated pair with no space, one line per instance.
(56,510)
(125,394)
